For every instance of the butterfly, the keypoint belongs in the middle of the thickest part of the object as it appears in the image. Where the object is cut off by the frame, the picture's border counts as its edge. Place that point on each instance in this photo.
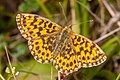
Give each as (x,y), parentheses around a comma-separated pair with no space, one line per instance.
(49,42)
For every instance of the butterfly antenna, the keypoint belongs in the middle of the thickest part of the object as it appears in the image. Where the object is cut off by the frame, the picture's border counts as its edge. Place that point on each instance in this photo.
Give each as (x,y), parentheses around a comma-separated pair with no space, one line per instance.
(63,11)
(70,26)
(88,21)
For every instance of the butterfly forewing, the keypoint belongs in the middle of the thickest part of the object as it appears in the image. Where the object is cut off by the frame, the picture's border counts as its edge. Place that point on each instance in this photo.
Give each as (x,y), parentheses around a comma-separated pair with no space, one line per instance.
(41,35)
(88,53)
(33,26)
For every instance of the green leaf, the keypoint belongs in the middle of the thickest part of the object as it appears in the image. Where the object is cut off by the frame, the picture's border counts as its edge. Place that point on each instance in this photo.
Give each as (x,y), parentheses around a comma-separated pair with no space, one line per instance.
(29,6)
(20,50)
(118,77)
(106,74)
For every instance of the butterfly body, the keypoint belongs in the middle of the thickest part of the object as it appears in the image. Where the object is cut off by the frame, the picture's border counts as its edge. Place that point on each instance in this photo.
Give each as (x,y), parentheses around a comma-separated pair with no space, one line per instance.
(49,42)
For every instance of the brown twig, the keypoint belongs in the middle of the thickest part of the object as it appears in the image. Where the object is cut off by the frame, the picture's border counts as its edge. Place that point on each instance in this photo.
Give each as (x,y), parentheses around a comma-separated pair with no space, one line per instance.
(105,36)
(115,16)
(73,12)
(96,17)
(9,63)
(2,77)
(102,11)
(63,12)
(58,75)
(108,7)
(73,16)
(111,22)
(114,19)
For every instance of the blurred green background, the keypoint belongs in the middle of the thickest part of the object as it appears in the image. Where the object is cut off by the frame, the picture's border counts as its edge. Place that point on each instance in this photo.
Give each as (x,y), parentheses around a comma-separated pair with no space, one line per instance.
(79,17)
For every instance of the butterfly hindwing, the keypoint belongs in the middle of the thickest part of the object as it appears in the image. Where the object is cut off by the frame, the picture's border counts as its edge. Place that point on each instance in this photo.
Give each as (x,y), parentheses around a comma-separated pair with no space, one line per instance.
(42,48)
(66,60)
